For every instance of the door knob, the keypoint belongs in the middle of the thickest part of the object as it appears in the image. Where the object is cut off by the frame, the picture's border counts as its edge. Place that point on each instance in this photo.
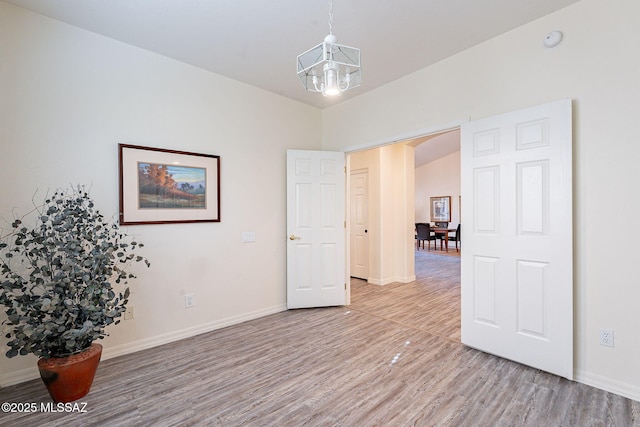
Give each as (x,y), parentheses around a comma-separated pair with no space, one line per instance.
(366,231)
(294,237)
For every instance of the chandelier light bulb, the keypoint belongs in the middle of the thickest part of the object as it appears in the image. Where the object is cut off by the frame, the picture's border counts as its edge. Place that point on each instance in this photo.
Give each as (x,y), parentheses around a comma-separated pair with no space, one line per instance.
(331,80)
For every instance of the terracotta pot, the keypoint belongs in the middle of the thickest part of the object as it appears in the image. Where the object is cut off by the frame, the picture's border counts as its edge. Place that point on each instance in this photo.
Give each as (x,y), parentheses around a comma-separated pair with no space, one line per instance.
(69,378)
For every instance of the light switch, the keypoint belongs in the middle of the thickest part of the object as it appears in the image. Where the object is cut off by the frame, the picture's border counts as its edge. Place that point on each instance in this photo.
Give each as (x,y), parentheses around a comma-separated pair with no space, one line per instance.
(248,237)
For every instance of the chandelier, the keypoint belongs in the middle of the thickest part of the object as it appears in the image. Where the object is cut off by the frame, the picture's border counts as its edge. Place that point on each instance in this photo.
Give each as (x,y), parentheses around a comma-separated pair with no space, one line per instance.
(329,67)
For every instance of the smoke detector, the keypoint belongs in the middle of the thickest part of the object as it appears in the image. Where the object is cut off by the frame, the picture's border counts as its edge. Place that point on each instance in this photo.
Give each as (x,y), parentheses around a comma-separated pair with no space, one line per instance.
(553,39)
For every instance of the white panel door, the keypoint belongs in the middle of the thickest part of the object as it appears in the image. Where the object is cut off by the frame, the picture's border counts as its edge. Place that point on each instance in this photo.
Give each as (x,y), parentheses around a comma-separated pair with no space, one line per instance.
(316,243)
(359,221)
(517,276)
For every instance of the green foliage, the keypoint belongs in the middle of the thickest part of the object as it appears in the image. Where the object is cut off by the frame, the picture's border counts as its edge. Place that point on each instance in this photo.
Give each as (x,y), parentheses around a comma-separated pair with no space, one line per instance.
(56,278)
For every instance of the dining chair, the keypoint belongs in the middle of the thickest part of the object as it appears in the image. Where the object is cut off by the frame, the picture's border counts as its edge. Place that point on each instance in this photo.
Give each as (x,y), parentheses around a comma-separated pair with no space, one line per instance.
(441,236)
(423,232)
(455,237)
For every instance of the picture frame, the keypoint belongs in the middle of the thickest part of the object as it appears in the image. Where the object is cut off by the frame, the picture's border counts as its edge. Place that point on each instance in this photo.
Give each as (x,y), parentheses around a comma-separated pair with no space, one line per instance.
(440,208)
(161,186)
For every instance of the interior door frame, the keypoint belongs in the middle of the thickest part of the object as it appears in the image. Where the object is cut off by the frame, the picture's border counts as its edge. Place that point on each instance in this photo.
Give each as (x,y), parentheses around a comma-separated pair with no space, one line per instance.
(347,234)
(419,133)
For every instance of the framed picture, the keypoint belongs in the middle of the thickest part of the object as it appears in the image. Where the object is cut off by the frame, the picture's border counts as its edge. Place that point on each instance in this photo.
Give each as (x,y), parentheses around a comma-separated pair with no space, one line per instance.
(441,208)
(159,186)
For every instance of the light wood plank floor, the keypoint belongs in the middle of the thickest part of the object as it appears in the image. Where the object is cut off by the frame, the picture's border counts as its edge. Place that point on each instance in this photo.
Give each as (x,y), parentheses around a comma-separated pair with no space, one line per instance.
(392,358)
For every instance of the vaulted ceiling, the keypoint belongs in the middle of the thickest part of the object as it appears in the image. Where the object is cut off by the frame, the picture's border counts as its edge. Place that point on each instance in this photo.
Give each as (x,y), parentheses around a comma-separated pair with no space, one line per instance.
(257,41)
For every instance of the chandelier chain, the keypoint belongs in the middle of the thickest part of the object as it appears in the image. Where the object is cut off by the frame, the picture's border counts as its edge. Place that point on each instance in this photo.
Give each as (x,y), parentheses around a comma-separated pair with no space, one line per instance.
(330,16)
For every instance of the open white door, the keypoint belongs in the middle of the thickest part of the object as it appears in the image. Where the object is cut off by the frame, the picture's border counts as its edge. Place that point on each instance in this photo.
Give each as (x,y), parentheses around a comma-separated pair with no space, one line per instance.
(316,229)
(517,275)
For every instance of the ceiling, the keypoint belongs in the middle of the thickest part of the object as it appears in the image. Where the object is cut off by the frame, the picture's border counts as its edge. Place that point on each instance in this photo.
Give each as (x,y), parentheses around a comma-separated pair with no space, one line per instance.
(433,147)
(257,41)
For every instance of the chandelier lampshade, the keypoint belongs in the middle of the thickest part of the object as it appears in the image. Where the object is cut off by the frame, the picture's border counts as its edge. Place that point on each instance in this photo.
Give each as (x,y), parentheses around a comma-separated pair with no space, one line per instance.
(330,68)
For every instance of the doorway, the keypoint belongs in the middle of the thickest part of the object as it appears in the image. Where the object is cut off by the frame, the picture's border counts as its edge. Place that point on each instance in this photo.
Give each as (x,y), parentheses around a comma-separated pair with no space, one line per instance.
(431,300)
(400,179)
(517,275)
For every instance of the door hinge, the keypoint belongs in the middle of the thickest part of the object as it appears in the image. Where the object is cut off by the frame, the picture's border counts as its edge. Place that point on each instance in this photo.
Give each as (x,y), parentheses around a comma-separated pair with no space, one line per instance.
(345,224)
(345,286)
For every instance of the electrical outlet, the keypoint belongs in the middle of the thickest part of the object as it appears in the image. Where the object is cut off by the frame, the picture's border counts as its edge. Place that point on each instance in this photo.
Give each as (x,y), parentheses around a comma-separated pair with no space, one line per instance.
(128,314)
(188,300)
(606,337)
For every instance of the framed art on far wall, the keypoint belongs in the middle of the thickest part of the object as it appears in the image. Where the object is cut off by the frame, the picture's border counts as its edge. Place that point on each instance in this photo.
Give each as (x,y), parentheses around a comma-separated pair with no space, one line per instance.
(441,208)
(159,186)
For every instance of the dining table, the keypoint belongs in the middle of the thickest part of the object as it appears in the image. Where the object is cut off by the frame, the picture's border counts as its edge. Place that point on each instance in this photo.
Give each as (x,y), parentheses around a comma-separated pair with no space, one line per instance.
(445,232)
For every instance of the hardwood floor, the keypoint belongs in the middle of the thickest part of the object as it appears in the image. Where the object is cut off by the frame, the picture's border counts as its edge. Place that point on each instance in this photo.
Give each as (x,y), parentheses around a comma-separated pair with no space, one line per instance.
(392,358)
(430,304)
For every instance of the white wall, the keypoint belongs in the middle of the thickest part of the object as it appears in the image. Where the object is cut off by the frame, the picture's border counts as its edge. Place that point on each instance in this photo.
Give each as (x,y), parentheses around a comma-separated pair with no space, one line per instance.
(597,66)
(438,178)
(68,97)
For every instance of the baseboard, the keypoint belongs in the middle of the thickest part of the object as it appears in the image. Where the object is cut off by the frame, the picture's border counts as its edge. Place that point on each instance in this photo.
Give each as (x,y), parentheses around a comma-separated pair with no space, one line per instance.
(382,282)
(607,384)
(20,376)
(144,344)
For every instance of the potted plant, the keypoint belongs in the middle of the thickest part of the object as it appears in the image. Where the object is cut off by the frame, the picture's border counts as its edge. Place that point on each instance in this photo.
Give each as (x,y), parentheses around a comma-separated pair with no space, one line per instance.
(58,280)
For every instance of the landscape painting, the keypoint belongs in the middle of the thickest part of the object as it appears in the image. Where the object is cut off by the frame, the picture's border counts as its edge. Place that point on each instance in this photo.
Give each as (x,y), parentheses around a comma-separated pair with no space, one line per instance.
(171,187)
(162,186)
